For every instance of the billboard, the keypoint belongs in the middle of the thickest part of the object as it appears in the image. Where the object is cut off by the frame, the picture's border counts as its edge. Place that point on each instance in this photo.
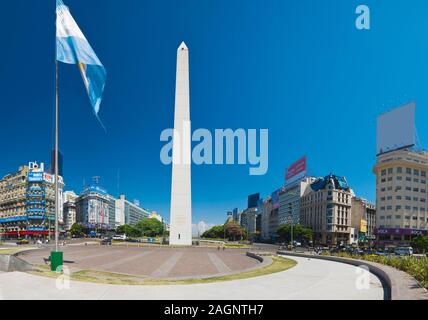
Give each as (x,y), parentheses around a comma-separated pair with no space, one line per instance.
(98,212)
(35,176)
(396,129)
(296,171)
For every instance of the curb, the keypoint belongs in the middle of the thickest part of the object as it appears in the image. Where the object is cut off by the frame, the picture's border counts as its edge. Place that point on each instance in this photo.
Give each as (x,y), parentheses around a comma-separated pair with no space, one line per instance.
(388,284)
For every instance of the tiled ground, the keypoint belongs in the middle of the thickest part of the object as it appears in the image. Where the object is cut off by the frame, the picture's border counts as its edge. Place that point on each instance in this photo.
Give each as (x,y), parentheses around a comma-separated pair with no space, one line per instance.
(155,262)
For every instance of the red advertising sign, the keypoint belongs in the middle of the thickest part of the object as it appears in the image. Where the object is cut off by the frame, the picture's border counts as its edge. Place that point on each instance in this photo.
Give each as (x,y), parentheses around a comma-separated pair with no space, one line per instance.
(296,170)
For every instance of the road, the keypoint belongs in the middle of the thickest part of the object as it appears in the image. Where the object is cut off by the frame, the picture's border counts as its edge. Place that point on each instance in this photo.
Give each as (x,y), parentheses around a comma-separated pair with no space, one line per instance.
(310,279)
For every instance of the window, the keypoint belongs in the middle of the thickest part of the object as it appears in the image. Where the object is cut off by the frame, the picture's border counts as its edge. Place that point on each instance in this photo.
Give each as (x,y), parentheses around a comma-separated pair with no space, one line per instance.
(423,173)
(399,178)
(399,170)
(397,216)
(416,180)
(416,172)
(389,178)
(383,172)
(398,197)
(408,171)
(382,180)
(408,179)
(390,171)
(397,208)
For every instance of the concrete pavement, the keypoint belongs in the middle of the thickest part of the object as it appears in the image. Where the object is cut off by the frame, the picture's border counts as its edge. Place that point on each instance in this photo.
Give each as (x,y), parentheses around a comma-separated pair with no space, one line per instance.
(309,279)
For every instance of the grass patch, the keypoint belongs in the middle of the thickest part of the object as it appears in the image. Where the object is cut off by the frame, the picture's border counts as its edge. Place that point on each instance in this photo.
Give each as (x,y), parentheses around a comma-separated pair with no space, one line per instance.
(278,264)
(237,245)
(14,250)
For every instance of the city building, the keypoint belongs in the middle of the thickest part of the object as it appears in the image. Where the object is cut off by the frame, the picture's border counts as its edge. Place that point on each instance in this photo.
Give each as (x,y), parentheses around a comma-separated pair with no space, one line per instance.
(363,220)
(128,212)
(401,196)
(236,216)
(229,216)
(69,209)
(181,190)
(27,202)
(253,200)
(96,209)
(289,201)
(249,220)
(326,209)
(269,220)
(157,216)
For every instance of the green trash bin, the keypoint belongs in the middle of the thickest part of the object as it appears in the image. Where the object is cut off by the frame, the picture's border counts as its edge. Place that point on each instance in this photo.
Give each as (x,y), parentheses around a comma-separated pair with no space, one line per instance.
(56,261)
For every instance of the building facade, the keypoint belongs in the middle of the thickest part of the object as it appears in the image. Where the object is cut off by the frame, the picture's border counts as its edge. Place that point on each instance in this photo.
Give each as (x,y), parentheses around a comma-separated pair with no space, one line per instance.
(363,219)
(326,209)
(27,202)
(269,220)
(249,220)
(96,209)
(128,212)
(289,201)
(69,209)
(401,196)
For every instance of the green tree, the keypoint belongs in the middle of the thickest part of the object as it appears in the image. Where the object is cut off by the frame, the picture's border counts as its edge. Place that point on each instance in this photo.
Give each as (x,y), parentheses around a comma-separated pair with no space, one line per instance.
(129,231)
(300,233)
(150,227)
(420,244)
(76,230)
(214,232)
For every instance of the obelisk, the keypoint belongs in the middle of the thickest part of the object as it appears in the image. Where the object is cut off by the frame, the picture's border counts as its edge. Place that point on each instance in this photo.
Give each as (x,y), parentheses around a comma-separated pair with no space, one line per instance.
(181,190)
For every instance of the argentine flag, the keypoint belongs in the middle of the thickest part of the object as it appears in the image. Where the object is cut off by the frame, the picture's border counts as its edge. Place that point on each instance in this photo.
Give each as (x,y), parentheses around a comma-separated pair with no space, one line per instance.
(73,48)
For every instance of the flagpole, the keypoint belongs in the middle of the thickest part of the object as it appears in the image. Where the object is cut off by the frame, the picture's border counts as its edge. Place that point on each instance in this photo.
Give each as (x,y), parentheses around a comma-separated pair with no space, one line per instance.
(56,158)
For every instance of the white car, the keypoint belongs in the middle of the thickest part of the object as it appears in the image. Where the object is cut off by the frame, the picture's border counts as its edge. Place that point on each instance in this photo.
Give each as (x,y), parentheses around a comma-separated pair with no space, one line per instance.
(120,237)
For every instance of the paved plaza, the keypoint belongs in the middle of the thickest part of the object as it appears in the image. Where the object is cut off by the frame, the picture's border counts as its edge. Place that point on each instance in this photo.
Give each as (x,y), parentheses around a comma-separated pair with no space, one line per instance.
(153,262)
(310,279)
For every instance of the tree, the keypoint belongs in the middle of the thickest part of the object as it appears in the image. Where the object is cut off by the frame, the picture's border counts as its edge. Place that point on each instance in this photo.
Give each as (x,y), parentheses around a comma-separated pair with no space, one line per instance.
(420,243)
(76,230)
(300,233)
(214,232)
(233,231)
(150,227)
(128,230)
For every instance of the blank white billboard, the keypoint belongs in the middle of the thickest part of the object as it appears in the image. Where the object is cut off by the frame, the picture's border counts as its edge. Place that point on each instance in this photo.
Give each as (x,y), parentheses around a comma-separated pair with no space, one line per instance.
(396,129)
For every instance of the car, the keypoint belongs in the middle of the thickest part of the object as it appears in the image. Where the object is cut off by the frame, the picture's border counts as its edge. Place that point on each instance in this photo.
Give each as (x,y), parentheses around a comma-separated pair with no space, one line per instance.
(106,241)
(403,251)
(120,237)
(22,241)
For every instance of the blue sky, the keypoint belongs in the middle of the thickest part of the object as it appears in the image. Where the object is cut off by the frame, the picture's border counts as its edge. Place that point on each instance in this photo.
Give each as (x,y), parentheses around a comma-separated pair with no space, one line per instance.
(298,67)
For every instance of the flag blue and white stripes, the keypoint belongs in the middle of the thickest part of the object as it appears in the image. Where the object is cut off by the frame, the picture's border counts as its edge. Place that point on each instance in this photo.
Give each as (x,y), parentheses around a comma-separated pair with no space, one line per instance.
(73,48)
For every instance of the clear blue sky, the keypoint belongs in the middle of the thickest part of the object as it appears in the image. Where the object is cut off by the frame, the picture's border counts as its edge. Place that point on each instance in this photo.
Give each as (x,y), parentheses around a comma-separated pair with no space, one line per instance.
(299,68)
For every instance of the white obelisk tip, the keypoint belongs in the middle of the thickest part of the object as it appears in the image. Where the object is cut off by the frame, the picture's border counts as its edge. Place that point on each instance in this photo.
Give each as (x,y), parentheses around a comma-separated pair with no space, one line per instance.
(182,47)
